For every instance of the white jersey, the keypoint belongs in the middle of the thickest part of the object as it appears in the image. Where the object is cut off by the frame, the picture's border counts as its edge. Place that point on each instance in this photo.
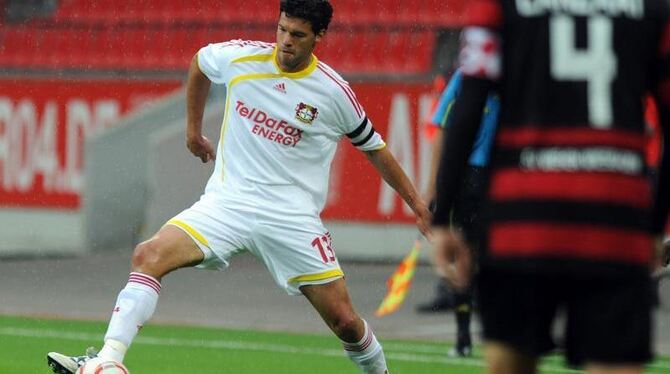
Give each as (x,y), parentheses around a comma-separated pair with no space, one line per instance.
(280,130)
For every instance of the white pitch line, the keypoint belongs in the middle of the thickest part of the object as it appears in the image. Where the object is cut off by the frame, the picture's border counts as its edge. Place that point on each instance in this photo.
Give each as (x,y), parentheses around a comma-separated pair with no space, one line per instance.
(393,351)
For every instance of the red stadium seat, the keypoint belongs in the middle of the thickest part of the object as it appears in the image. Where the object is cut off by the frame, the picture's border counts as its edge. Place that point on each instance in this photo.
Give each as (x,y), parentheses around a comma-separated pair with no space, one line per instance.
(393,13)
(77,44)
(240,12)
(330,48)
(169,11)
(74,10)
(137,46)
(104,40)
(350,53)
(396,50)
(366,37)
(179,51)
(262,10)
(170,48)
(374,47)
(51,45)
(15,47)
(421,46)
(356,12)
(200,37)
(208,12)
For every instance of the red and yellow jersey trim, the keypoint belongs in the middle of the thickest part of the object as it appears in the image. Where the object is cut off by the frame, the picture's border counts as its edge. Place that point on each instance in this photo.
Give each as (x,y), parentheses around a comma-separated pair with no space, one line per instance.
(335,273)
(190,230)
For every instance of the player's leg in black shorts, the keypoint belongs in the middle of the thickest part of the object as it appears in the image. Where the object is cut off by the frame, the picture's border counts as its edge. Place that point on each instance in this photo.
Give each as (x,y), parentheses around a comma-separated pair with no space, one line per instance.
(599,304)
(467,208)
(518,309)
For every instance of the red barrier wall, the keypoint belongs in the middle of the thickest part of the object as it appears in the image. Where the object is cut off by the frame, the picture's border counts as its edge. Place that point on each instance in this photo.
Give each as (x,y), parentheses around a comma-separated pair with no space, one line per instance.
(356,191)
(43,124)
(42,127)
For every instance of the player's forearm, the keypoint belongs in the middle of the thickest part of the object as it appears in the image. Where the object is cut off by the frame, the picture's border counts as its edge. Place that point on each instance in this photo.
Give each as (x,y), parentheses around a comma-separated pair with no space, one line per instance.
(197,88)
(392,173)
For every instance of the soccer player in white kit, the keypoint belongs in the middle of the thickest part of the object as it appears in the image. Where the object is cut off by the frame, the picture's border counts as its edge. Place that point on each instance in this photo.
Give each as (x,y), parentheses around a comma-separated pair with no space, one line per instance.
(285,112)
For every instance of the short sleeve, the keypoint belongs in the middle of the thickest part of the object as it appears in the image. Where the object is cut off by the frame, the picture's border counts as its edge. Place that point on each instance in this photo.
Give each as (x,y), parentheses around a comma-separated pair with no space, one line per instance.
(446,102)
(351,118)
(365,137)
(214,59)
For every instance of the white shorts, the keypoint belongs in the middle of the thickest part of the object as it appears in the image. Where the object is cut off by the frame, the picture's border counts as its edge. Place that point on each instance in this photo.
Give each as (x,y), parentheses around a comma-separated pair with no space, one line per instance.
(297,250)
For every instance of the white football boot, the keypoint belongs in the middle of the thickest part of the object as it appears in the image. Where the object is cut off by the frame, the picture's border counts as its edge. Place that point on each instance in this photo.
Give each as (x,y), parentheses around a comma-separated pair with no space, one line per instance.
(62,364)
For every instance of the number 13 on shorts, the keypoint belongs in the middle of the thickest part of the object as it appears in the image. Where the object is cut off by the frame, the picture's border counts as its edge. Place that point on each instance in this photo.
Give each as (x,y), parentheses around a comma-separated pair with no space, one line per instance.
(324,244)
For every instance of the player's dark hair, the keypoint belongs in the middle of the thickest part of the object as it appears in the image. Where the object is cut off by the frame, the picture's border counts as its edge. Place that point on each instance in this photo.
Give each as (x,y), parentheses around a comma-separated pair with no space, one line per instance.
(317,12)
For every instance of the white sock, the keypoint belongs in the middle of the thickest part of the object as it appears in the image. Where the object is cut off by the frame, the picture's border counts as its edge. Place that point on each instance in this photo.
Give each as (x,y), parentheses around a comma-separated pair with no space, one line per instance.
(367,354)
(114,350)
(134,306)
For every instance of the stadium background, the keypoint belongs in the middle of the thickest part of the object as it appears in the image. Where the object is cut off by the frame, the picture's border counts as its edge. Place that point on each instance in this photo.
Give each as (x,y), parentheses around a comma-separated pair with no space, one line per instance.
(92,93)
(92,156)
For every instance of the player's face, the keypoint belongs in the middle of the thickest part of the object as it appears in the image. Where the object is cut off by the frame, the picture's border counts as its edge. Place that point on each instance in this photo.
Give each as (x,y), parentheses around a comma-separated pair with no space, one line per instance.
(295,43)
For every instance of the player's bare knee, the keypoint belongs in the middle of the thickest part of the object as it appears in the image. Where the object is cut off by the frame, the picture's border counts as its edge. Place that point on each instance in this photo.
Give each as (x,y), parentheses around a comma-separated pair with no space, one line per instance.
(147,258)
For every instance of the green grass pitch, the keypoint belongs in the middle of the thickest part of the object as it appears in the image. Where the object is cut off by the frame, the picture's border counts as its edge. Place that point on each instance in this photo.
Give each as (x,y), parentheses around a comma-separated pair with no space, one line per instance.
(24,343)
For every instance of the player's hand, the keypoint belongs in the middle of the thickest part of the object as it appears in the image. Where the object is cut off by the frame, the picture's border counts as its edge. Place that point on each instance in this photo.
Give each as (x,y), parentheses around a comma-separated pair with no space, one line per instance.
(453,259)
(665,251)
(423,219)
(201,147)
(661,253)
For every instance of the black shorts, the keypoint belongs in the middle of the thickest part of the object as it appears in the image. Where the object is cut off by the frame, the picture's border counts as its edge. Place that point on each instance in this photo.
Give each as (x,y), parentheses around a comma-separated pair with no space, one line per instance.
(467,207)
(608,319)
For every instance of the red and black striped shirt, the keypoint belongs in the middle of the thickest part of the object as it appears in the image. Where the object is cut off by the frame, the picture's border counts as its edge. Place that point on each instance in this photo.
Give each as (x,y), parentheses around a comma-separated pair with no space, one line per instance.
(568,173)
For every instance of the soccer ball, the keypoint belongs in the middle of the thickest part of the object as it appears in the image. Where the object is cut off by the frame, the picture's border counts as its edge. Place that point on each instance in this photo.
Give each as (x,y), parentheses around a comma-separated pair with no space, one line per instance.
(99,365)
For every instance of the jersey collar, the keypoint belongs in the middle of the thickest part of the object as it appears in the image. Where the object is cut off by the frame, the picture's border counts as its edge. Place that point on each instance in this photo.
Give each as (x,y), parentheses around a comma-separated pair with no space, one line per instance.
(298,74)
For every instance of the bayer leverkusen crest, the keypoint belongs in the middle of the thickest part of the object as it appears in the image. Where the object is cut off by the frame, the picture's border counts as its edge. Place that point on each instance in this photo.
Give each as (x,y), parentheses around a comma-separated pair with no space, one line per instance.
(306,113)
